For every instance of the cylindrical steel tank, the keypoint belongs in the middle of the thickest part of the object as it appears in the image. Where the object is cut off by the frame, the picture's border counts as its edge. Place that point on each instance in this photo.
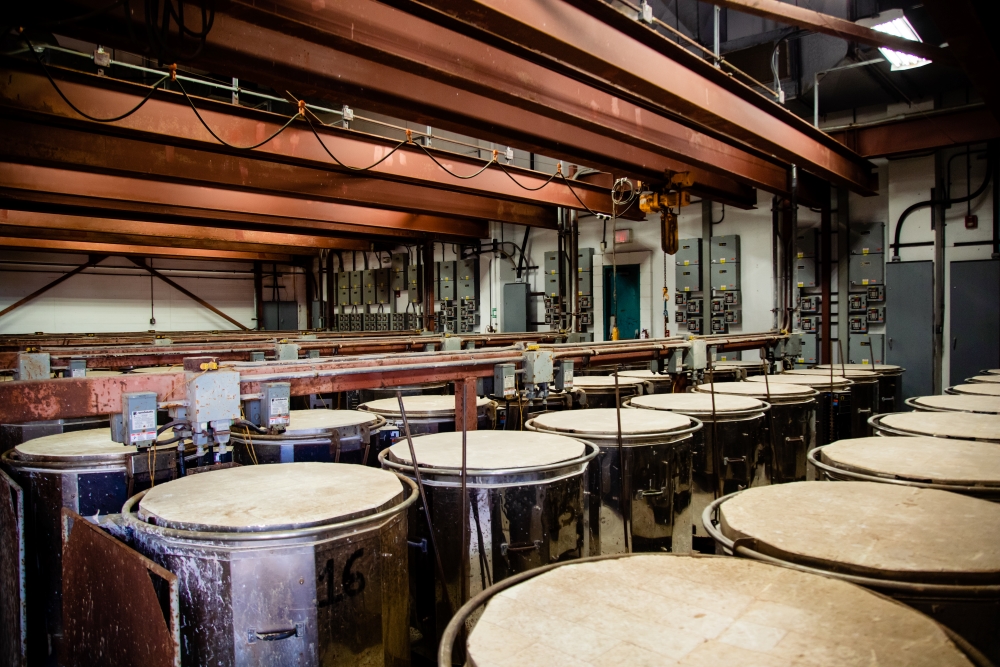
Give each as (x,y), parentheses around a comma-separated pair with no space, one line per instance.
(296,564)
(936,551)
(980,389)
(653,383)
(429,414)
(84,471)
(737,424)
(599,390)
(527,508)
(791,420)
(865,400)
(959,425)
(989,378)
(664,609)
(834,419)
(890,382)
(432,389)
(962,466)
(657,448)
(987,405)
(312,435)
(509,411)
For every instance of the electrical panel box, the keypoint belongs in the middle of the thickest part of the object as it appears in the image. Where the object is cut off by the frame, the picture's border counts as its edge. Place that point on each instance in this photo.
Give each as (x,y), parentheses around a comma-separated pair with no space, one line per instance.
(694,325)
(357,288)
(400,261)
(275,399)
(719,325)
(383,286)
(256,356)
(857,323)
(504,380)
(467,276)
(585,283)
(876,315)
(857,303)
(725,249)
(139,418)
(866,270)
(77,368)
(694,307)
(414,283)
(446,281)
(516,301)
(876,293)
(806,243)
(810,323)
(563,372)
(585,259)
(368,286)
(538,367)
(344,288)
(552,284)
(867,239)
(718,306)
(809,304)
(286,351)
(805,272)
(688,278)
(731,298)
(680,299)
(551,262)
(866,349)
(726,276)
(680,317)
(733,317)
(688,252)
(213,396)
(807,355)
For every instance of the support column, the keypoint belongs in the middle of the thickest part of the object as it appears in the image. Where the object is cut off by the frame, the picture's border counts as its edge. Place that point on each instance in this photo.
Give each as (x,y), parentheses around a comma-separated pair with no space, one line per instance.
(331,293)
(470,416)
(428,297)
(307,268)
(937,222)
(258,293)
(706,265)
(825,261)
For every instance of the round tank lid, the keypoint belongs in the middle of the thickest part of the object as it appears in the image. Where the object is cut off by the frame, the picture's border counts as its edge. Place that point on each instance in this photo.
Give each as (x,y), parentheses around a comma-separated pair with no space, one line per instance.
(304,422)
(92,443)
(102,373)
(688,610)
(884,368)
(604,421)
(857,373)
(270,497)
(964,403)
(601,381)
(756,390)
(979,389)
(986,379)
(922,459)
(962,425)
(489,450)
(698,404)
(418,406)
(642,375)
(817,381)
(158,369)
(871,529)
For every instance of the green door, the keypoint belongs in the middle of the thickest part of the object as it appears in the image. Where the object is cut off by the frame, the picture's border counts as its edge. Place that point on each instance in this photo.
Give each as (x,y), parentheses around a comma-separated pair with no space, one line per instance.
(621,300)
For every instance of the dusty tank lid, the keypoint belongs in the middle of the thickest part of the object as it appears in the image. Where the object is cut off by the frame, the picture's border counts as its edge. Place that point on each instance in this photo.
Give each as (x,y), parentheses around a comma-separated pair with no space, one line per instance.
(94,443)
(689,610)
(853,373)
(489,450)
(921,459)
(418,406)
(304,422)
(960,403)
(604,421)
(817,381)
(101,373)
(980,389)
(270,497)
(985,379)
(602,381)
(698,404)
(645,374)
(961,425)
(878,368)
(158,369)
(738,363)
(870,528)
(756,390)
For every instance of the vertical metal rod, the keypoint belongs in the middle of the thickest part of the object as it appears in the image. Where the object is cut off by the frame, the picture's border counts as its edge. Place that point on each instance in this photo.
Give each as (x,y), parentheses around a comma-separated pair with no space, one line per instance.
(843,265)
(720,482)
(770,414)
(427,507)
(938,196)
(816,100)
(464,563)
(825,262)
(718,11)
(626,498)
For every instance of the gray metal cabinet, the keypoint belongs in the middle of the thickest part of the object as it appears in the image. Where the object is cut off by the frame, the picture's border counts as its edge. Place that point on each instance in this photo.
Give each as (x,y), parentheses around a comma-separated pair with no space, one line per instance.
(975,318)
(909,324)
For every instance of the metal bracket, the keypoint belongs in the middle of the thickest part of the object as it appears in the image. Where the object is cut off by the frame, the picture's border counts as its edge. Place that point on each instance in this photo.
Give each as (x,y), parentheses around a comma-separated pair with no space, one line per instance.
(535,546)
(253,636)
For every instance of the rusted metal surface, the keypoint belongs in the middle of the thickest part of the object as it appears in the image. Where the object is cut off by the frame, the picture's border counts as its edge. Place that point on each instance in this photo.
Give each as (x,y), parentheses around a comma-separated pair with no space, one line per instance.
(825,24)
(466,412)
(13,626)
(119,607)
(608,49)
(923,132)
(118,249)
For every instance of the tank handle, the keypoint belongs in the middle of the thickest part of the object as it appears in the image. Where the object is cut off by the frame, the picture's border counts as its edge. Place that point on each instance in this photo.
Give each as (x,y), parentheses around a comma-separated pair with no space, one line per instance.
(277,635)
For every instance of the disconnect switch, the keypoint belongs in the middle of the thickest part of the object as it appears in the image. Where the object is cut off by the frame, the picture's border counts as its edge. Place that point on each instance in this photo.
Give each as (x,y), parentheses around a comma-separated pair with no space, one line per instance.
(274,405)
(139,418)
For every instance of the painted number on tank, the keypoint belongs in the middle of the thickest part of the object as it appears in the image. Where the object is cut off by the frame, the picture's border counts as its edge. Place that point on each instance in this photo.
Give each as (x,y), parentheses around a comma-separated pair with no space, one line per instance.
(351,583)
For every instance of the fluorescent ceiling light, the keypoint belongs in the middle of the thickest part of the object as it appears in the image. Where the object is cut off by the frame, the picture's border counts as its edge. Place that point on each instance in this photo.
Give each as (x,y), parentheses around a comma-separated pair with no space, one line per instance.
(894,22)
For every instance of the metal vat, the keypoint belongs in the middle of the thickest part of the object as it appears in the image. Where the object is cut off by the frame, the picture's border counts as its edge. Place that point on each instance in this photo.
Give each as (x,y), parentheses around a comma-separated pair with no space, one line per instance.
(864,396)
(653,383)
(890,382)
(654,465)
(598,391)
(312,435)
(726,451)
(933,550)
(428,414)
(528,506)
(987,405)
(981,389)
(958,425)
(989,378)
(791,420)
(296,564)
(834,418)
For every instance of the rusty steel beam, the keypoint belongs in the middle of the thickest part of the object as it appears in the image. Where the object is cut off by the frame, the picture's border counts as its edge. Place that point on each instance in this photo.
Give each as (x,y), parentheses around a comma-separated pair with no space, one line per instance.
(28,224)
(591,40)
(118,250)
(808,19)
(599,133)
(31,187)
(922,132)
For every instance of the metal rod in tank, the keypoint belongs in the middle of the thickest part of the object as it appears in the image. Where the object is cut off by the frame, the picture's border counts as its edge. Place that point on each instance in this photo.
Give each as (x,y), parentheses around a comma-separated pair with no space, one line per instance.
(423,499)
(770,413)
(716,445)
(626,497)
(464,561)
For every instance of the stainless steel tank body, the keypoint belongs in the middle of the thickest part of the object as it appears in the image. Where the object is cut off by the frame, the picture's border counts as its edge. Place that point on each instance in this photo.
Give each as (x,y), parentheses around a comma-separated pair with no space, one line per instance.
(834,416)
(598,391)
(329,594)
(324,443)
(428,414)
(865,397)
(655,467)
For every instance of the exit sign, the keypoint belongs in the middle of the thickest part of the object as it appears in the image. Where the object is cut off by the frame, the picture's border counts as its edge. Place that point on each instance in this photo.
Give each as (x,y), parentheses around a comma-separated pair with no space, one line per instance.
(623,236)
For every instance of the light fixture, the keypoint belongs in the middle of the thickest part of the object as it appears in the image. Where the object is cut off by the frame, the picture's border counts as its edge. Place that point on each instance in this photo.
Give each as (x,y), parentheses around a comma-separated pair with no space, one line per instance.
(894,22)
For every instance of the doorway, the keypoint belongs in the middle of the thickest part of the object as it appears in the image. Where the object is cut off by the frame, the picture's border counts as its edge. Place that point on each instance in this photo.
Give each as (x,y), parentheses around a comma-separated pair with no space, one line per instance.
(621,300)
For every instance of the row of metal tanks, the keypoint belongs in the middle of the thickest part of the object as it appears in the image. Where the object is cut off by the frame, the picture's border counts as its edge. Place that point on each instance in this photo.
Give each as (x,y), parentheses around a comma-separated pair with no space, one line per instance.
(514,496)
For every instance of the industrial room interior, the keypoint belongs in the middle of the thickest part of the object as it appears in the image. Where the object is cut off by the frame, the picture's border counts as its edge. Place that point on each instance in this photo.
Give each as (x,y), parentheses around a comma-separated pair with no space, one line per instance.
(424,332)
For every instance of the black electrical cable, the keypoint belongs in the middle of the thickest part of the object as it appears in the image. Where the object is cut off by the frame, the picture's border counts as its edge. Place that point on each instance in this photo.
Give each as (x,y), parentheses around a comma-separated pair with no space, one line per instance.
(220,139)
(171,424)
(719,221)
